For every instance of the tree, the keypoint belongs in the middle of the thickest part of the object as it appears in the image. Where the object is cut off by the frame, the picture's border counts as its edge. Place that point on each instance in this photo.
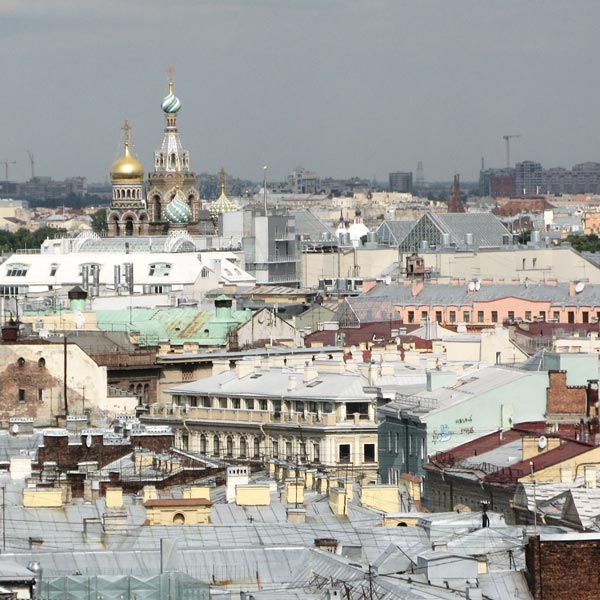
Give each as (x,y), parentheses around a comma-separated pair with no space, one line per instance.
(99,221)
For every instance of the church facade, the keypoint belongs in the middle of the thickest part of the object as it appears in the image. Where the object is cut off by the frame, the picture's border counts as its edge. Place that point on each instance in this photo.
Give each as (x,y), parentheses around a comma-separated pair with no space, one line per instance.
(171,200)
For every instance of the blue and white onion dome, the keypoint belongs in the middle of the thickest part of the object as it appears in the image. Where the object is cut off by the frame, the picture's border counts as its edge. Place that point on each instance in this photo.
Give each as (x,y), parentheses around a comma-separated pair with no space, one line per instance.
(178,211)
(171,103)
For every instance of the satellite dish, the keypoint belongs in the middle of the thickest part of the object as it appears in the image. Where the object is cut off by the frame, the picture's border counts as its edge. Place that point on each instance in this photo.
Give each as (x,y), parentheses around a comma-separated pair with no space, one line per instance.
(579,287)
(471,286)
(477,285)
(14,428)
(542,442)
(88,441)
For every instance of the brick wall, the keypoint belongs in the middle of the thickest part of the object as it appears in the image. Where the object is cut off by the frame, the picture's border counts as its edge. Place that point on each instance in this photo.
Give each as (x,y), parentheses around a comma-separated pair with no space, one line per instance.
(563,569)
(563,399)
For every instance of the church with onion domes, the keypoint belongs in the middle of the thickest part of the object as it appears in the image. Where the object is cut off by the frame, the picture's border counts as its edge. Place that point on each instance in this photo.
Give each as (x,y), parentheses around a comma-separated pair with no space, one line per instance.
(171,201)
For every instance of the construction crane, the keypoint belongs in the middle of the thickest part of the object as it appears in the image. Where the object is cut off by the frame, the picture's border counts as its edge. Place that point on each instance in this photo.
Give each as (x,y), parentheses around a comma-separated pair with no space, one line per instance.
(30,154)
(506,138)
(6,163)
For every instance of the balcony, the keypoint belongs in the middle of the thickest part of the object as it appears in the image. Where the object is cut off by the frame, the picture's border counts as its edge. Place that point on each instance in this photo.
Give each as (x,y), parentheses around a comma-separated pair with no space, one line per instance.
(241,415)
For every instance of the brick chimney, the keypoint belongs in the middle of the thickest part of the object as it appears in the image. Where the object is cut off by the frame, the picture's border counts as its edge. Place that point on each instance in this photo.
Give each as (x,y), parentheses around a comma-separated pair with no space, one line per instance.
(417,286)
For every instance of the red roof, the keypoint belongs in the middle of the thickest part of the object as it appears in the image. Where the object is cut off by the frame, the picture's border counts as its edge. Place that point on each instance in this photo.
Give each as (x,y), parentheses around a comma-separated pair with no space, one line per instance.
(374,334)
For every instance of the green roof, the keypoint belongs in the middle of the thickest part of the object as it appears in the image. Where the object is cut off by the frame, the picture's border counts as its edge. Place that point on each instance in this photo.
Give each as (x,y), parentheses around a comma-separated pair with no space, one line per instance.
(176,325)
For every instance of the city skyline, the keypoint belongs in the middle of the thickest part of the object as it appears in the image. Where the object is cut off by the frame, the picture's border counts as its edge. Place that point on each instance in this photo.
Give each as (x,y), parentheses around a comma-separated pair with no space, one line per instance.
(344,88)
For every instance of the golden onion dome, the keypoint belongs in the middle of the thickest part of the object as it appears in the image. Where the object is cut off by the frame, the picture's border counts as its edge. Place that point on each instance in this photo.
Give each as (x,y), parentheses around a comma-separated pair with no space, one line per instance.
(127,167)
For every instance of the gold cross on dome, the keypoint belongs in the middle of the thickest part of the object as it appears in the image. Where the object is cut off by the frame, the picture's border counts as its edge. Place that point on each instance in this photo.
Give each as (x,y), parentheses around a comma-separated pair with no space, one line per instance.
(126,129)
(222,176)
(170,73)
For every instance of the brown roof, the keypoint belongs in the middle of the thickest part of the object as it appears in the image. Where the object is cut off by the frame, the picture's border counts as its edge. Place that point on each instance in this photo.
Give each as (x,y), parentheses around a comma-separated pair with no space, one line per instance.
(175,502)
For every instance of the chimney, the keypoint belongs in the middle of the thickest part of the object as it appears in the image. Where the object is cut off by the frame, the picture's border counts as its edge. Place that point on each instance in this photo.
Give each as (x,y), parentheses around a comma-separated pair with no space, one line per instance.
(566,474)
(572,291)
(291,383)
(417,286)
(310,373)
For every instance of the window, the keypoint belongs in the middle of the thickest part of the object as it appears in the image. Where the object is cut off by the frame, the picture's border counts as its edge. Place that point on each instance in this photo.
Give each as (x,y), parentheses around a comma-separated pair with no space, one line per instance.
(571,316)
(263,405)
(397,437)
(41,363)
(534,262)
(344,453)
(216,446)
(422,448)
(523,264)
(410,444)
(494,316)
(202,444)
(542,315)
(369,453)
(390,441)
(21,362)
(159,270)
(452,316)
(222,402)
(204,273)
(556,315)
(229,442)
(40,395)
(21,395)
(423,314)
(243,447)
(585,316)
(511,315)
(288,451)
(250,404)
(16,270)
(256,447)
(303,456)
(438,316)
(235,402)
(53,269)
(466,316)
(411,316)
(275,450)
(528,315)
(480,316)
(178,519)
(187,373)
(317,452)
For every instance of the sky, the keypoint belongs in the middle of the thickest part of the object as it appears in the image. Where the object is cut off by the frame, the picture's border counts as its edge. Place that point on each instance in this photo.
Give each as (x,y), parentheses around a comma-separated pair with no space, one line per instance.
(342,87)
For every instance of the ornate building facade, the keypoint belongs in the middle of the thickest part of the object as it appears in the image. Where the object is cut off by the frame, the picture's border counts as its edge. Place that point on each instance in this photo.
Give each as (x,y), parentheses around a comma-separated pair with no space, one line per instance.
(171,202)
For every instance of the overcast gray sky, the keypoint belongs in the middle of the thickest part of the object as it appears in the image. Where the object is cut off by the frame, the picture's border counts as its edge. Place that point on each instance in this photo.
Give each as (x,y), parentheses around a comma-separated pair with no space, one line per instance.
(345,87)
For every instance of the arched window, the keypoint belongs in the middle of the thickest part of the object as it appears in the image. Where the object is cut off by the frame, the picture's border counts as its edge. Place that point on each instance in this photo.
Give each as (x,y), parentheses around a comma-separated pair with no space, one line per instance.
(243,447)
(216,446)
(229,446)
(146,392)
(256,447)
(129,226)
(202,444)
(21,362)
(41,362)
(178,519)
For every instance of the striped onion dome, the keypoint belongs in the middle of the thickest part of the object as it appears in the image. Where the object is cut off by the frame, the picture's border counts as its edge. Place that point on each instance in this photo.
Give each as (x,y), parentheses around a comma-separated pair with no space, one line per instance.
(178,211)
(171,103)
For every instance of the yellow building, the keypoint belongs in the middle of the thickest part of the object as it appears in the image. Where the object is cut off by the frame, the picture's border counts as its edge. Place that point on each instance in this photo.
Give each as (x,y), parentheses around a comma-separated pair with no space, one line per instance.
(178,511)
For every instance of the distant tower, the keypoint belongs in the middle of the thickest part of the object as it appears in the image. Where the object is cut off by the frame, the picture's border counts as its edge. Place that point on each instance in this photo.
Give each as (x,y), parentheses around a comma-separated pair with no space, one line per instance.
(127,214)
(420,176)
(172,183)
(456,205)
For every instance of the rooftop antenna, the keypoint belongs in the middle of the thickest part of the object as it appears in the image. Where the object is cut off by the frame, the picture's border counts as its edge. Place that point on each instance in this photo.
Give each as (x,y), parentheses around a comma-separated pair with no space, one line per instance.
(507,139)
(6,163)
(32,162)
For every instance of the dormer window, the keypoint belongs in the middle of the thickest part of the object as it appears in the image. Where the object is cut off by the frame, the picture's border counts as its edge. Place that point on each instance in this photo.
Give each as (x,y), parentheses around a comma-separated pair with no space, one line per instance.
(159,270)
(17,270)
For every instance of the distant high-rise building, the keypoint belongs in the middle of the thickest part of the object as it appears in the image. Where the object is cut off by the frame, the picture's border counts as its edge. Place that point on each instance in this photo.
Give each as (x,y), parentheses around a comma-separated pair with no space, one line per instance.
(401,181)
(420,182)
(528,177)
(302,181)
